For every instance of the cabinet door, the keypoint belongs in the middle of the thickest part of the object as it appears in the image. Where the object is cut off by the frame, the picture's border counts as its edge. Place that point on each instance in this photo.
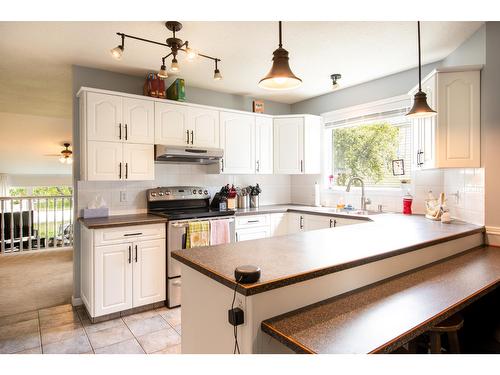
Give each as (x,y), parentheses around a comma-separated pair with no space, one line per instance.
(312,145)
(263,145)
(279,224)
(204,124)
(149,272)
(104,117)
(238,141)
(289,145)
(104,161)
(138,121)
(171,124)
(458,137)
(113,278)
(138,161)
(313,222)
(295,223)
(252,233)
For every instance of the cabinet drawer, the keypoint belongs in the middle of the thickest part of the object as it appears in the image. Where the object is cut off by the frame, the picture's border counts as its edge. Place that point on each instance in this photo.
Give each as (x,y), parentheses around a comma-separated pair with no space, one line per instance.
(130,233)
(252,234)
(252,221)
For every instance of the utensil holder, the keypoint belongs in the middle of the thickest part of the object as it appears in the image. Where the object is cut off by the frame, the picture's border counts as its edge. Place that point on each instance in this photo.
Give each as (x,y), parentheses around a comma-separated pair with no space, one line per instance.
(254,201)
(243,201)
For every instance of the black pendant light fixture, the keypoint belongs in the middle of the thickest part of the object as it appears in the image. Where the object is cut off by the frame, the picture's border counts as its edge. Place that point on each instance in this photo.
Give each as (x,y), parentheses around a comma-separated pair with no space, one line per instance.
(420,107)
(175,46)
(280,77)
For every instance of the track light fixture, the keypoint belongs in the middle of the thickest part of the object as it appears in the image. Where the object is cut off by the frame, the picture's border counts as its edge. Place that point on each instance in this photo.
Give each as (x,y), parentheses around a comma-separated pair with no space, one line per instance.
(117,52)
(217,75)
(335,77)
(174,44)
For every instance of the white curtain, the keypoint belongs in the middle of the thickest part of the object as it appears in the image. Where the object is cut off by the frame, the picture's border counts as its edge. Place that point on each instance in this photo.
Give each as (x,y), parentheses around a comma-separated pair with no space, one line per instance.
(4,185)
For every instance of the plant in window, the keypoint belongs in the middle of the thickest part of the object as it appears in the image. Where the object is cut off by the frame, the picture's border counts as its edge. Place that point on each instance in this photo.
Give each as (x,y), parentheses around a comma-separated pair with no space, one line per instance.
(365,151)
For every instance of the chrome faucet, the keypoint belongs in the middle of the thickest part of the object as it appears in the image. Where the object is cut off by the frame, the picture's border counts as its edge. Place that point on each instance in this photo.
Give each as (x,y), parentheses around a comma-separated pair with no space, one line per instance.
(363,198)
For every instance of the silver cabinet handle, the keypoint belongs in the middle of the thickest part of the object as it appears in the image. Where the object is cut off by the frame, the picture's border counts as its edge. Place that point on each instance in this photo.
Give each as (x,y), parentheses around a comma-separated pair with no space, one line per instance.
(136,253)
(236,236)
(133,234)
(120,172)
(120,130)
(222,165)
(258,166)
(301,222)
(130,254)
(302,166)
(253,221)
(333,223)
(187,136)
(126,170)
(192,136)
(126,132)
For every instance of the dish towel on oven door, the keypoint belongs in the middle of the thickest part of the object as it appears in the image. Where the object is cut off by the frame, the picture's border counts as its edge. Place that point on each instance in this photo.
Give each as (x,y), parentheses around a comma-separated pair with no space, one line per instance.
(198,234)
(219,232)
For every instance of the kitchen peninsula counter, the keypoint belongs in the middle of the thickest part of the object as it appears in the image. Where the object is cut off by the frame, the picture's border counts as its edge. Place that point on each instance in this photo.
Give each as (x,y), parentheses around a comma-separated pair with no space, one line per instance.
(302,269)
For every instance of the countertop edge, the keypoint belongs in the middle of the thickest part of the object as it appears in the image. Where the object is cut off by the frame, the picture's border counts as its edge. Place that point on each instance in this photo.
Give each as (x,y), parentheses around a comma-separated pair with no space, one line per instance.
(268,328)
(293,279)
(156,220)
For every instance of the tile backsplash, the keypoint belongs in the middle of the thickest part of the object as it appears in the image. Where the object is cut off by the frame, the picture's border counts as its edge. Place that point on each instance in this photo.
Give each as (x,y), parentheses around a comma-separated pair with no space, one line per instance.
(463,187)
(275,188)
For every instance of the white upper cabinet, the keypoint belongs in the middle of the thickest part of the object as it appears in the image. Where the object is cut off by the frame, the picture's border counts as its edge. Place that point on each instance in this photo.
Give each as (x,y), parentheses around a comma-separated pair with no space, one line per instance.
(452,137)
(138,121)
(171,124)
(264,145)
(204,127)
(237,132)
(104,161)
(297,145)
(186,126)
(289,145)
(137,162)
(104,117)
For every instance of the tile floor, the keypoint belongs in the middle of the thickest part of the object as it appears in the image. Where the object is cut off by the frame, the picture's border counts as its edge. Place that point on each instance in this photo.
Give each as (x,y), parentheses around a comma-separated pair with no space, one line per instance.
(64,329)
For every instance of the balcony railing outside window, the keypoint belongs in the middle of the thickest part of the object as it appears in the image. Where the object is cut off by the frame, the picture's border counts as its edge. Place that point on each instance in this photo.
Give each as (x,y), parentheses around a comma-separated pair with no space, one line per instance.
(35,223)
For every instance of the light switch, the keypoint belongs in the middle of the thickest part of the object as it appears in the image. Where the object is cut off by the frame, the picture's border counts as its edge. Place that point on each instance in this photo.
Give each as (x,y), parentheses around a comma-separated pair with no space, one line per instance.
(123,196)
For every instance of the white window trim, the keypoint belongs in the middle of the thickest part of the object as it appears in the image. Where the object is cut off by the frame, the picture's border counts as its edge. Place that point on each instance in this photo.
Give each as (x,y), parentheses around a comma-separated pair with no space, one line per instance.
(365,109)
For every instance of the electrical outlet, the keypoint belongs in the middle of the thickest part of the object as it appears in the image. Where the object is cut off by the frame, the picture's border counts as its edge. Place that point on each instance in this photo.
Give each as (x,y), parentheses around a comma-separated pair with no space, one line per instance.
(123,196)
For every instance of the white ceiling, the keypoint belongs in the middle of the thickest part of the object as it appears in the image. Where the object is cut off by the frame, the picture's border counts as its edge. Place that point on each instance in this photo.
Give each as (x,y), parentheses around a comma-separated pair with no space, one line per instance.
(360,51)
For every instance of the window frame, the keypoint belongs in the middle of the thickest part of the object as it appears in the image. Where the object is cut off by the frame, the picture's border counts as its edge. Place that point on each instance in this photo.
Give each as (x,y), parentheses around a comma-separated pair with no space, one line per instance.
(344,114)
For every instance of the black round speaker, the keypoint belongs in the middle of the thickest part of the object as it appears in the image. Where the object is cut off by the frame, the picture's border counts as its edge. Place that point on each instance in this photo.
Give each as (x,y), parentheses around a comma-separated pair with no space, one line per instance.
(247,274)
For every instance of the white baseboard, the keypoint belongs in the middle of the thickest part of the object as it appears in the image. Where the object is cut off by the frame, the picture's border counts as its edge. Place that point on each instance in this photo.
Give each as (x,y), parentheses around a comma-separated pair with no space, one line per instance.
(76,301)
(493,236)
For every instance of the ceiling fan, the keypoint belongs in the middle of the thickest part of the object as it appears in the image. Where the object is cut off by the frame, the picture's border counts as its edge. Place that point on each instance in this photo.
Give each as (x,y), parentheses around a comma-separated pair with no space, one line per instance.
(65,156)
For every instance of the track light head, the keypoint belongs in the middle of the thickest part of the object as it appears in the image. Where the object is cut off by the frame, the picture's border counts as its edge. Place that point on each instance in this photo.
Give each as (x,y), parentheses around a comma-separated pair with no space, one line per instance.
(117,52)
(163,71)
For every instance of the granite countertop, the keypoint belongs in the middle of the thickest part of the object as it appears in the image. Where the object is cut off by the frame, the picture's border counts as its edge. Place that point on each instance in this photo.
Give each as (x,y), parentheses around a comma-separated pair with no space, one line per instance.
(285,260)
(121,221)
(382,317)
(313,210)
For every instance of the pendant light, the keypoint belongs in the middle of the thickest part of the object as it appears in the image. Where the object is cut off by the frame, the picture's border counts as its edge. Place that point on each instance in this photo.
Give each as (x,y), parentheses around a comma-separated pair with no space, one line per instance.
(420,107)
(280,77)
(66,155)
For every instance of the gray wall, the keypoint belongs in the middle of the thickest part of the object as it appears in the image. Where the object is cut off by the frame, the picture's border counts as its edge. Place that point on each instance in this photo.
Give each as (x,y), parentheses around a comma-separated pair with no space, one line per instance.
(382,88)
(470,52)
(490,124)
(103,79)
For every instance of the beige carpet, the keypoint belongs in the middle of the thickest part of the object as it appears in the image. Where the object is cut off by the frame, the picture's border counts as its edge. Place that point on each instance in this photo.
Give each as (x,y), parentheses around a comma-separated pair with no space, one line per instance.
(35,280)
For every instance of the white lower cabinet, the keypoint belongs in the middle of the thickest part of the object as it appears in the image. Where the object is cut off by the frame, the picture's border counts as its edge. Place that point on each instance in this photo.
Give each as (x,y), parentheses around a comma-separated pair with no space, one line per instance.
(313,222)
(252,227)
(113,279)
(295,222)
(279,224)
(128,273)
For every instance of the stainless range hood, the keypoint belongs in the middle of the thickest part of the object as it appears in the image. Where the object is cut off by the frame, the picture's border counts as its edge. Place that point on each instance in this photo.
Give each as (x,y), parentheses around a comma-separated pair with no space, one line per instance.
(187,154)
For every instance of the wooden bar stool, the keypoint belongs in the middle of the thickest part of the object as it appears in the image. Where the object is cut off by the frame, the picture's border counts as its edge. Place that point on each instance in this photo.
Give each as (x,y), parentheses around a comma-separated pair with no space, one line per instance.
(449,326)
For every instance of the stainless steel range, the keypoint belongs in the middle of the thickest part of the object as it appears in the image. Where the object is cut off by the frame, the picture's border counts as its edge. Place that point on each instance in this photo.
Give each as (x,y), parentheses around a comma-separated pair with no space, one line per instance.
(182,205)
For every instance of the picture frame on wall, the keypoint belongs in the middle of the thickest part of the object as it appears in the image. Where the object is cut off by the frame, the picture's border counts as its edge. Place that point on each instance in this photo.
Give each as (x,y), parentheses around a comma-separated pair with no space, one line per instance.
(398,167)
(258,106)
